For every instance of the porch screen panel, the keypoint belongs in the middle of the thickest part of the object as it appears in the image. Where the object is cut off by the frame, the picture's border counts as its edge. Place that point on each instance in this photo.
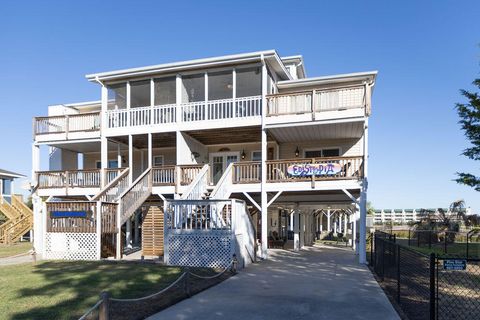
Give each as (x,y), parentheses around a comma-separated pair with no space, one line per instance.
(220,85)
(249,82)
(193,89)
(117,96)
(140,94)
(165,91)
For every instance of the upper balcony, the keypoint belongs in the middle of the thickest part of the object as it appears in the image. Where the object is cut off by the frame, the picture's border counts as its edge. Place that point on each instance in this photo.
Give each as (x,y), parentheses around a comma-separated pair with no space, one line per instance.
(317,104)
(67,127)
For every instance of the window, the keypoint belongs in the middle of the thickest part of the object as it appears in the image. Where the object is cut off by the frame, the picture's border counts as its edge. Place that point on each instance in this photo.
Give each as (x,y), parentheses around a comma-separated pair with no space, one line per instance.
(165,91)
(111,164)
(6,186)
(256,155)
(330,152)
(158,161)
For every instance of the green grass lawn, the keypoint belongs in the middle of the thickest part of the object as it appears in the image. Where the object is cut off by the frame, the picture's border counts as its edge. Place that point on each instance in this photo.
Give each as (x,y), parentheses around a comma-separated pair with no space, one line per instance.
(65,290)
(14,249)
(453,249)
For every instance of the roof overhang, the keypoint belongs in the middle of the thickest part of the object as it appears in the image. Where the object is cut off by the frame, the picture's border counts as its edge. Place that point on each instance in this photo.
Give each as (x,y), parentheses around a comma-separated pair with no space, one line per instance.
(270,56)
(298,61)
(368,77)
(10,174)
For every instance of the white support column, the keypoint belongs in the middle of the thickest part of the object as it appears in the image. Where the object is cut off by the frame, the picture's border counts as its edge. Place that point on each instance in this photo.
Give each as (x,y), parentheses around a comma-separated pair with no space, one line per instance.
(35,163)
(345,218)
(340,223)
(150,151)
(291,221)
(136,229)
(128,233)
(264,202)
(321,220)
(354,228)
(119,156)
(207,114)
(362,243)
(296,231)
(103,138)
(98,217)
(302,229)
(178,100)
(128,103)
(130,158)
(329,215)
(118,250)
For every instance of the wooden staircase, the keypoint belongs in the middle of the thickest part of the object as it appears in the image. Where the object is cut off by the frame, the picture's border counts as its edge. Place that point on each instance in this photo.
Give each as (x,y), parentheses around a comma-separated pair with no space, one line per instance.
(20,220)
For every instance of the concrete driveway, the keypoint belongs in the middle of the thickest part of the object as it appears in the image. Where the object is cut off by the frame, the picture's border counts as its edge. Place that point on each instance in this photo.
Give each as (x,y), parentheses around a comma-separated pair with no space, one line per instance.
(317,283)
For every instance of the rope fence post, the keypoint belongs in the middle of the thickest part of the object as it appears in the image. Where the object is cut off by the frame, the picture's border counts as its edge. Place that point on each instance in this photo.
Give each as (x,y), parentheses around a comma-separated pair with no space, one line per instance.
(187,282)
(104,310)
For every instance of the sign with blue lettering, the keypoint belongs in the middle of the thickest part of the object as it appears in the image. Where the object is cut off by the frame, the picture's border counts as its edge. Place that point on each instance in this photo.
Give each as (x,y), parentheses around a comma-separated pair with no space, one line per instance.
(317,169)
(68,214)
(454,264)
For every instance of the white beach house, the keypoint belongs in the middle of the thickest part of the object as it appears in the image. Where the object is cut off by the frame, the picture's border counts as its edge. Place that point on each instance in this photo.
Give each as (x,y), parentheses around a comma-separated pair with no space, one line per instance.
(202,159)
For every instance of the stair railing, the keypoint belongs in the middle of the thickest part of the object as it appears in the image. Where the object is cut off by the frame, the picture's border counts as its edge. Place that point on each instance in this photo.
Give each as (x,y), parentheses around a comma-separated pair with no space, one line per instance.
(133,197)
(197,189)
(112,191)
(223,189)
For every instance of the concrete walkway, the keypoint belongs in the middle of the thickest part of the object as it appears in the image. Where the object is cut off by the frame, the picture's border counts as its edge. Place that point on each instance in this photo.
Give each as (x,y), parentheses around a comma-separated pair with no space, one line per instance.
(18,259)
(317,283)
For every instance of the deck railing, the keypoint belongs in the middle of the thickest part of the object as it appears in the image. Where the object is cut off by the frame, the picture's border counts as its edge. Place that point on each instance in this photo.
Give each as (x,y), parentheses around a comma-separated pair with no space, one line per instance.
(67,123)
(188,173)
(278,170)
(318,100)
(163,176)
(192,111)
(133,197)
(89,178)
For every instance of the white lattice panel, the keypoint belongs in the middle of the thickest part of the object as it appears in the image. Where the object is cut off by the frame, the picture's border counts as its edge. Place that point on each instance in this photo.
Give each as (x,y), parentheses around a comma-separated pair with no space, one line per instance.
(71,246)
(212,249)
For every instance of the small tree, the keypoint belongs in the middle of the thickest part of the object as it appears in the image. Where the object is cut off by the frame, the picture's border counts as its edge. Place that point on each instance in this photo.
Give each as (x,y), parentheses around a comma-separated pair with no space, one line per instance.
(469,114)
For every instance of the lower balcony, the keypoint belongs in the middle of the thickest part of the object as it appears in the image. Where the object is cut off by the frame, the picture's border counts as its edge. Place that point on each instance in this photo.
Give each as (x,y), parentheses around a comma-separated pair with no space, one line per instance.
(298,170)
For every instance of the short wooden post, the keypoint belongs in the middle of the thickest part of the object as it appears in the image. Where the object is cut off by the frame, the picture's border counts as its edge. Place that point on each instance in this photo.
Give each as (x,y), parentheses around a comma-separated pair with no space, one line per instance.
(104,310)
(187,282)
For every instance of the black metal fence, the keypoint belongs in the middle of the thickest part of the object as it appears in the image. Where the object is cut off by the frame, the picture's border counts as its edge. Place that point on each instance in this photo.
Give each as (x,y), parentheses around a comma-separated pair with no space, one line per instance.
(426,286)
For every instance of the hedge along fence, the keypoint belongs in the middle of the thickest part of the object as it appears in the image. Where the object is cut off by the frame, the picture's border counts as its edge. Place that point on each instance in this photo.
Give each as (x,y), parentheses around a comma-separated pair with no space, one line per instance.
(186,285)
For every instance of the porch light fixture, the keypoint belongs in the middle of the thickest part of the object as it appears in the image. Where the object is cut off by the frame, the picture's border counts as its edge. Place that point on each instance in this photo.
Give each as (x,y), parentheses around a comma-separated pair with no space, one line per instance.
(243,155)
(297,152)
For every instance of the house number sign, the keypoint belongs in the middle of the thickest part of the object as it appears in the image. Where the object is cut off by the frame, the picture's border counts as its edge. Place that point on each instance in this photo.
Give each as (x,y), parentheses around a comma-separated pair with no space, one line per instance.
(317,169)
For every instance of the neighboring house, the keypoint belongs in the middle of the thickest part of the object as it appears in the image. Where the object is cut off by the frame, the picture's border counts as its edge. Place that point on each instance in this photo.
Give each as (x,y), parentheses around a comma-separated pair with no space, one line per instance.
(236,150)
(18,217)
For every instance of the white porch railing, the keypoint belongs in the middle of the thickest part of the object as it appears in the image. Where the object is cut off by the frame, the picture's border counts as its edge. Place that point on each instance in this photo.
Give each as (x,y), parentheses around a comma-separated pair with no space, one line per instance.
(197,189)
(223,189)
(133,197)
(243,107)
(67,123)
(69,179)
(198,214)
(222,109)
(318,100)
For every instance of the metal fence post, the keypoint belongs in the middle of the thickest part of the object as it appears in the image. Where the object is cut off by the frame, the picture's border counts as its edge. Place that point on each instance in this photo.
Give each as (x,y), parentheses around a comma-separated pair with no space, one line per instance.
(398,273)
(432,286)
(371,248)
(409,237)
(467,243)
(104,310)
(430,239)
(445,243)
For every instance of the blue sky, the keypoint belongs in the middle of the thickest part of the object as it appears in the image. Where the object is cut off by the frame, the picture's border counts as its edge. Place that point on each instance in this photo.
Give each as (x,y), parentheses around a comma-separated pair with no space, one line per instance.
(425,51)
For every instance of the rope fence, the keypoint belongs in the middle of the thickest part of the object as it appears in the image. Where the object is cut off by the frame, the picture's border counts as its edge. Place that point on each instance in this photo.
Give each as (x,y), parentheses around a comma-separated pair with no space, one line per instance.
(180,289)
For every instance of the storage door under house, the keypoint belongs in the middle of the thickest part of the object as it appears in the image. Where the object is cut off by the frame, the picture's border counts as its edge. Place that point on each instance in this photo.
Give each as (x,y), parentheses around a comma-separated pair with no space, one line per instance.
(152,232)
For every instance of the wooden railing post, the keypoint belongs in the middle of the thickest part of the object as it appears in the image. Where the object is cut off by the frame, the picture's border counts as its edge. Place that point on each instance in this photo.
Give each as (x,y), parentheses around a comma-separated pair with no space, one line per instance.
(104,310)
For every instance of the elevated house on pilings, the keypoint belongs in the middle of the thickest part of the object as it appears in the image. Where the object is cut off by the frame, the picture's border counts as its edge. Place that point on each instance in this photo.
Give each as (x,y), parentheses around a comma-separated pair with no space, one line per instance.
(198,160)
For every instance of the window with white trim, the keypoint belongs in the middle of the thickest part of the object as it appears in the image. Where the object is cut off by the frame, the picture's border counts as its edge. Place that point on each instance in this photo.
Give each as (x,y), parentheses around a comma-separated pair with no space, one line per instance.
(256,155)
(158,161)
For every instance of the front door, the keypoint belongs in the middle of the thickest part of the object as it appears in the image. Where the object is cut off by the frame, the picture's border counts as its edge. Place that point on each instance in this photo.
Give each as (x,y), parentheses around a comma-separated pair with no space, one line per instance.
(219,161)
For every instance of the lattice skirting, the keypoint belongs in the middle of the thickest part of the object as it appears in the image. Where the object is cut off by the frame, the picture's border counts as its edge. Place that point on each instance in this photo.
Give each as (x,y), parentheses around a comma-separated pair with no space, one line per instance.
(212,249)
(71,246)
